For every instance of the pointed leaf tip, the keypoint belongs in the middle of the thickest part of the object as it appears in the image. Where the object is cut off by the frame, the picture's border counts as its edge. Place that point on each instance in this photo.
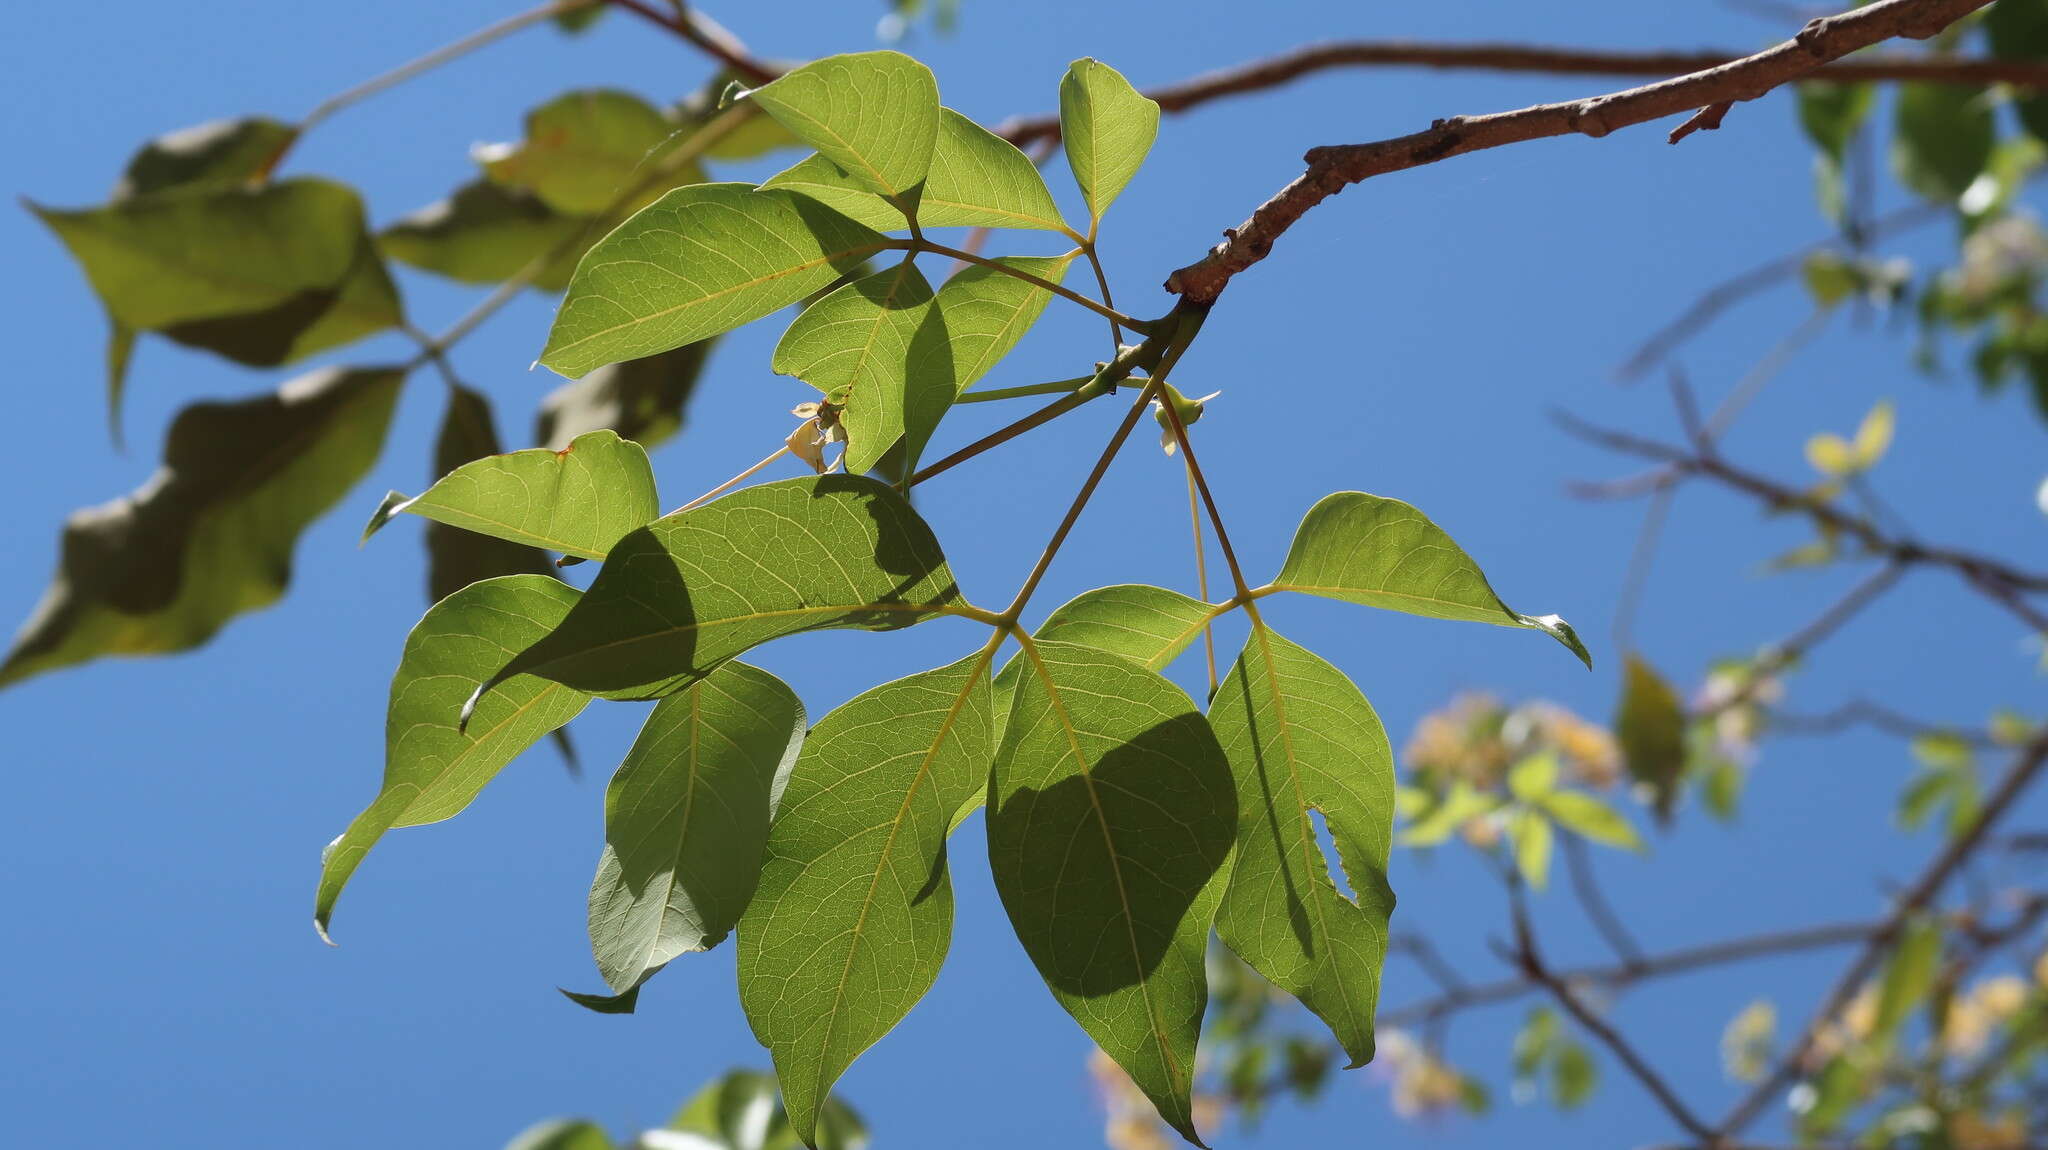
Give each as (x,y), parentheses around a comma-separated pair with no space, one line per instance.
(622,1003)
(392,503)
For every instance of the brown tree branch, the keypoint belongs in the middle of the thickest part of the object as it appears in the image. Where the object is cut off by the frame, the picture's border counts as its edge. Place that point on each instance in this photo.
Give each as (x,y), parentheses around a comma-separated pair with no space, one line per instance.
(1332,169)
(704,34)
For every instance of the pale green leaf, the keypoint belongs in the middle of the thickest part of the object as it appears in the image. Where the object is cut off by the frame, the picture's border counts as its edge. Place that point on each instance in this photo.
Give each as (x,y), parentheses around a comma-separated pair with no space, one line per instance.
(1148,625)
(980,180)
(1107,127)
(1303,741)
(577,501)
(1529,831)
(700,261)
(1590,818)
(455,557)
(431,769)
(211,535)
(754,137)
(1650,725)
(562,1134)
(1534,777)
(877,349)
(641,399)
(855,909)
(1111,819)
(875,114)
(818,178)
(1461,805)
(487,233)
(985,311)
(1908,976)
(584,150)
(743,1111)
(695,588)
(1383,553)
(686,820)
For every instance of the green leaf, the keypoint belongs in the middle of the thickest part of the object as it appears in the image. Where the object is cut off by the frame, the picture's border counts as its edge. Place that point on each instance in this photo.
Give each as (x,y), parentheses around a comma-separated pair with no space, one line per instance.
(1383,553)
(562,1134)
(1944,751)
(1832,114)
(485,234)
(577,501)
(1108,128)
(1532,779)
(641,399)
(855,909)
(1943,138)
(1531,835)
(1908,976)
(455,557)
(1147,625)
(695,588)
(686,820)
(817,178)
(1303,741)
(1461,805)
(875,114)
(1837,1090)
(208,252)
(1573,1075)
(218,154)
(2018,30)
(1650,725)
(985,312)
(211,535)
(700,261)
(877,350)
(431,769)
(1110,827)
(756,136)
(1590,818)
(980,180)
(742,1111)
(585,149)
(1830,278)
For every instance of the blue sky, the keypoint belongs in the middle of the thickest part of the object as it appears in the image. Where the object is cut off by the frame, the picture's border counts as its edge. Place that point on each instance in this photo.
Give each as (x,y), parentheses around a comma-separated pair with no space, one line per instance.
(162,833)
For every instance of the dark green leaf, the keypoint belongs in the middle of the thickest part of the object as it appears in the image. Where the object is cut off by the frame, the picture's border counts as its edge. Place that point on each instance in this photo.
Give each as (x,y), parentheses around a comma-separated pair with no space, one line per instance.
(1383,553)
(1110,827)
(2018,30)
(875,114)
(562,1134)
(1908,976)
(641,399)
(578,500)
(1573,1075)
(431,769)
(695,588)
(855,909)
(487,233)
(700,261)
(879,352)
(1833,113)
(210,536)
(1943,138)
(218,154)
(624,1003)
(1650,725)
(455,557)
(686,820)
(1107,128)
(1303,741)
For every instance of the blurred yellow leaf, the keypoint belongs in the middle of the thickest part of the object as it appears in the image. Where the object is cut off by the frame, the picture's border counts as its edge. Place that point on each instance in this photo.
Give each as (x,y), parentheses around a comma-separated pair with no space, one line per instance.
(1874,435)
(1830,454)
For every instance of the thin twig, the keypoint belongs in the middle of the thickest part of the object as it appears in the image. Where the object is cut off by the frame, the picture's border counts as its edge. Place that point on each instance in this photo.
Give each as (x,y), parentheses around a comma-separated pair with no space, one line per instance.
(1332,169)
(1863,712)
(705,35)
(923,245)
(1586,885)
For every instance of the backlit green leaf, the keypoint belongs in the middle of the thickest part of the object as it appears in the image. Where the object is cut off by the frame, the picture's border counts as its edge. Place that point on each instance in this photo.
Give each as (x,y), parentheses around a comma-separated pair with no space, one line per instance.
(455,557)
(585,149)
(1383,553)
(855,909)
(211,535)
(1534,777)
(1107,127)
(432,770)
(486,233)
(1650,725)
(986,312)
(1943,138)
(1459,805)
(1590,818)
(980,180)
(1530,833)
(694,588)
(1303,741)
(641,399)
(686,819)
(1111,819)
(818,178)
(700,261)
(577,501)
(876,348)
(875,114)
(755,136)
(1148,625)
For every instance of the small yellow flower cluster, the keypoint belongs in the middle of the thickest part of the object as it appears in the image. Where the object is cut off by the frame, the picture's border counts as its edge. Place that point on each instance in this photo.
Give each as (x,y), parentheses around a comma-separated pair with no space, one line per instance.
(1477,737)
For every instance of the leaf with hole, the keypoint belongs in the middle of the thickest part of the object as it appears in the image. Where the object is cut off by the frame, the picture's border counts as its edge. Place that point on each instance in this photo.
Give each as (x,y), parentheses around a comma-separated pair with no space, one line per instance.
(1304,743)
(695,588)
(577,501)
(875,114)
(431,769)
(855,908)
(700,261)
(686,820)
(1108,128)
(210,535)
(1111,823)
(1383,553)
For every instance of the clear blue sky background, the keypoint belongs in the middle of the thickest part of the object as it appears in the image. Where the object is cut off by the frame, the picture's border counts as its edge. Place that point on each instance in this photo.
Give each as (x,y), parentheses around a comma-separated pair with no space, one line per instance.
(163,819)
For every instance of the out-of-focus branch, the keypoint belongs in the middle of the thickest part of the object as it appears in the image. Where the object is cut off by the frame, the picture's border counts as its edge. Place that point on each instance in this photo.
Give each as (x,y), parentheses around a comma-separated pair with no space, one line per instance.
(707,36)
(1332,169)
(1865,713)
(1274,71)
